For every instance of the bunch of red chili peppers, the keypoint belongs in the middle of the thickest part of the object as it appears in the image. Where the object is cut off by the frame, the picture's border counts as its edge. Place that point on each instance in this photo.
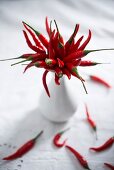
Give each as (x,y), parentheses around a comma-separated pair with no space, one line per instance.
(55,55)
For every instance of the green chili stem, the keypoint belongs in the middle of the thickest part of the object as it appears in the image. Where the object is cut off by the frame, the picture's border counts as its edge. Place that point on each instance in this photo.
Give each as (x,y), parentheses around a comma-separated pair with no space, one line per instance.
(105,49)
(10,59)
(19,62)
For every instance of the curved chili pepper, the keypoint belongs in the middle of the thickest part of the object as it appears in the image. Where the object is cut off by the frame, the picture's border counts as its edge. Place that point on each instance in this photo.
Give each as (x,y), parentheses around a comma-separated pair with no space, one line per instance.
(99,80)
(91,122)
(57,79)
(44,82)
(105,146)
(37,42)
(109,166)
(80,158)
(82,47)
(40,64)
(24,148)
(36,49)
(57,138)
(47,26)
(40,36)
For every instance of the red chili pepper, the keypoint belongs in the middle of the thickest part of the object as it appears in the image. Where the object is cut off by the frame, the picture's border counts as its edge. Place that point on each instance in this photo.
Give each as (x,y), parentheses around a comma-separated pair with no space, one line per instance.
(55,41)
(99,80)
(76,45)
(44,82)
(60,63)
(66,72)
(58,72)
(28,57)
(61,50)
(89,63)
(23,149)
(60,38)
(69,43)
(86,42)
(57,138)
(109,166)
(91,122)
(40,64)
(36,49)
(77,62)
(50,62)
(80,158)
(73,56)
(105,146)
(37,42)
(47,26)
(50,48)
(40,36)
(57,79)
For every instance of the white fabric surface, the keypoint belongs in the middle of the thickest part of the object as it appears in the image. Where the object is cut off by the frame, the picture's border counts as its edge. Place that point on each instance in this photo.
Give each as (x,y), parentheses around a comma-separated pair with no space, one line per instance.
(20,118)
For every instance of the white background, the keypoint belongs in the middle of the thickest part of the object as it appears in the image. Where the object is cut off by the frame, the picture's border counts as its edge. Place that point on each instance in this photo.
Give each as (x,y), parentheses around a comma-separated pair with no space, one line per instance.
(20,118)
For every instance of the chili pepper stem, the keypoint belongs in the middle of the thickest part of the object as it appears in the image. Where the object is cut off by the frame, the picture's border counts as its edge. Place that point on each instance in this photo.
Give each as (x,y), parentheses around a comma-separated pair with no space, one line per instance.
(10,58)
(103,49)
(96,136)
(84,86)
(38,135)
(64,130)
(19,62)
(56,25)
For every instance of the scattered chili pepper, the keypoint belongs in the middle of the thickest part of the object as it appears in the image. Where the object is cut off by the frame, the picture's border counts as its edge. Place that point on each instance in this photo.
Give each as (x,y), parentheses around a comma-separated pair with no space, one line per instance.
(57,138)
(80,158)
(100,80)
(91,122)
(109,166)
(105,146)
(23,149)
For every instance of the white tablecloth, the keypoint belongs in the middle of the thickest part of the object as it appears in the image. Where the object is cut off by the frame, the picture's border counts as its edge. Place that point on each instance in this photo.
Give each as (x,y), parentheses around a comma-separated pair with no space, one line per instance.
(20,116)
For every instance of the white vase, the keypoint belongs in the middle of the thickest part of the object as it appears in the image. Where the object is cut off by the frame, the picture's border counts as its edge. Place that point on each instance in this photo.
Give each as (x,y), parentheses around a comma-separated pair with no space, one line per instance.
(61,106)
